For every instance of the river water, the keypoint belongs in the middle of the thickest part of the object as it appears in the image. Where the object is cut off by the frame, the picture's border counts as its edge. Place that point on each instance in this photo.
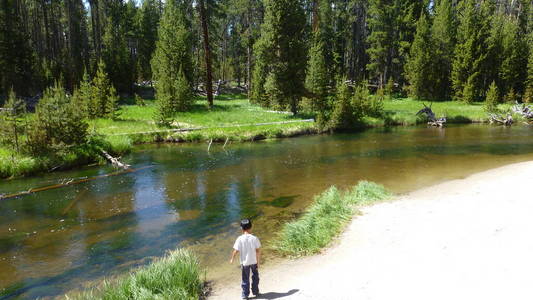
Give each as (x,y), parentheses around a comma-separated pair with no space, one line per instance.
(65,239)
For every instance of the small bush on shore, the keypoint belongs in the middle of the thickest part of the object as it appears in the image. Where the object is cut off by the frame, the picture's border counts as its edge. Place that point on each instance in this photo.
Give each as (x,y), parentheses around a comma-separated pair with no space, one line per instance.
(325,219)
(175,276)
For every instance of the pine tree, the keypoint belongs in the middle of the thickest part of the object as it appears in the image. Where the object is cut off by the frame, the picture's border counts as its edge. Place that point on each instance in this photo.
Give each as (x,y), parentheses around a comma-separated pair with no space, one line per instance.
(343,115)
(279,72)
(148,20)
(419,67)
(470,51)
(317,74)
(104,99)
(492,99)
(443,36)
(528,94)
(11,122)
(18,67)
(512,71)
(381,39)
(82,96)
(320,68)
(171,64)
(392,27)
(58,123)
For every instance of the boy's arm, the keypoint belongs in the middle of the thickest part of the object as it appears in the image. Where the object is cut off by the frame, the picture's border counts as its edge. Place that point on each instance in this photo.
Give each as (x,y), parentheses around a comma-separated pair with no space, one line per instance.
(233,256)
(258,255)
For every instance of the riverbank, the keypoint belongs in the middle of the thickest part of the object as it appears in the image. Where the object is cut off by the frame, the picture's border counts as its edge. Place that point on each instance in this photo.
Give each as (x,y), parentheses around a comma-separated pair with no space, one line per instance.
(462,239)
(233,119)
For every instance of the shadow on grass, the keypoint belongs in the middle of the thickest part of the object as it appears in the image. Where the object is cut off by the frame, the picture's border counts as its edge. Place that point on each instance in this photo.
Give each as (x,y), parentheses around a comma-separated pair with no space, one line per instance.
(231,97)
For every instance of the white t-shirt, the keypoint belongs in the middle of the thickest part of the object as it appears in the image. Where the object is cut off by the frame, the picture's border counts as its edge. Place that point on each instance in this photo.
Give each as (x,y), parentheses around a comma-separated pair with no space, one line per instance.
(246,244)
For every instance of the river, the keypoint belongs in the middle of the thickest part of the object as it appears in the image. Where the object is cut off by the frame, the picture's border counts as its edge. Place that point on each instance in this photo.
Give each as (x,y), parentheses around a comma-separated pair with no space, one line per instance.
(66,239)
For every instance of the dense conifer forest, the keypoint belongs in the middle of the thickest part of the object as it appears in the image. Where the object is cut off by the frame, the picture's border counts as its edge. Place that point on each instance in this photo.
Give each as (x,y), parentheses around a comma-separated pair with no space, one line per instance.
(282,50)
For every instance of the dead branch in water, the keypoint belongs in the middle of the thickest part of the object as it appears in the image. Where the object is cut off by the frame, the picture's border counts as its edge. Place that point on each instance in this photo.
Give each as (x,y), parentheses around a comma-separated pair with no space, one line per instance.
(70,182)
(114,161)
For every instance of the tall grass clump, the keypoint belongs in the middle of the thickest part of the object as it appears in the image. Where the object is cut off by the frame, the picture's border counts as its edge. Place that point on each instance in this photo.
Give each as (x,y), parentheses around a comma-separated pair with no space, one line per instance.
(175,276)
(325,219)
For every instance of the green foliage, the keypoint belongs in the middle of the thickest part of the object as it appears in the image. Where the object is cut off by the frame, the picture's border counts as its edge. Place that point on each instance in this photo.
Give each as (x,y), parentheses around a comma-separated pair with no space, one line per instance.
(528,94)
(139,101)
(345,114)
(17,59)
(325,219)
(58,123)
(391,25)
(514,56)
(443,31)
(419,68)
(511,96)
(175,276)
(492,99)
(470,53)
(388,90)
(317,80)
(148,22)
(171,65)
(104,97)
(279,71)
(12,123)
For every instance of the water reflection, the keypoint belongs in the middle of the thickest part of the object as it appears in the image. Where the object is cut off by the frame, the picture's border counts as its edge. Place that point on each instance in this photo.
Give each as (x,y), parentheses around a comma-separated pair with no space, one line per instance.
(59,240)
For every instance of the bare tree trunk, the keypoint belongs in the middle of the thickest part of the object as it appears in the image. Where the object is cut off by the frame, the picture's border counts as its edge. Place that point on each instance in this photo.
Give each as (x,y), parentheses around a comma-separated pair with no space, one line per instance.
(209,75)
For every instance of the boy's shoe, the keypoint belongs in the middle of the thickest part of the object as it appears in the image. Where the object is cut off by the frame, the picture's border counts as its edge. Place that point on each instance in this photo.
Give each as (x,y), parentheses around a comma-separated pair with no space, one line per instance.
(257,295)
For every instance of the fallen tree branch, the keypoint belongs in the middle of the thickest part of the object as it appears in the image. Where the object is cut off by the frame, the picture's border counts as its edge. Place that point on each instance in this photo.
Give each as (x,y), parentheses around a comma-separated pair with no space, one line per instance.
(506,121)
(114,161)
(69,183)
(432,120)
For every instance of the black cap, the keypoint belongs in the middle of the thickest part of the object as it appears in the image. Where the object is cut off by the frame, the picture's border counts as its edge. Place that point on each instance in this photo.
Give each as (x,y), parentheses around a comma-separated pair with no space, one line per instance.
(246,224)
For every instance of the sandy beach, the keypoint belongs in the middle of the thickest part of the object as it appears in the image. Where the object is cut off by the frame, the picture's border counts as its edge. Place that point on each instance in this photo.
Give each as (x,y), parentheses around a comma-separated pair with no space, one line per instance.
(463,239)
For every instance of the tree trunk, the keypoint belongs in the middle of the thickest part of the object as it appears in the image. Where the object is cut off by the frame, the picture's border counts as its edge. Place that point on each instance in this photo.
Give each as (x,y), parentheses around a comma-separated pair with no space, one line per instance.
(209,75)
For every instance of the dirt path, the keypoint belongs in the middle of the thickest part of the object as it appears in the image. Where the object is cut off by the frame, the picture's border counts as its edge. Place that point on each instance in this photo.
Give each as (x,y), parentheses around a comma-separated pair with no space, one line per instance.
(463,239)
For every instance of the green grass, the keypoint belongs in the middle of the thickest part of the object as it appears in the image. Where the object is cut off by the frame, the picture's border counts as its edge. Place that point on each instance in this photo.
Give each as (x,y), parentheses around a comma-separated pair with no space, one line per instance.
(238,111)
(326,218)
(175,276)
(403,112)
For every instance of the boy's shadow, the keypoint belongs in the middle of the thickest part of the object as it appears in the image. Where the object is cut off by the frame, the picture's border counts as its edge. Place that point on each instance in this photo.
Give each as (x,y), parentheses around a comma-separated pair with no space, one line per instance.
(274,295)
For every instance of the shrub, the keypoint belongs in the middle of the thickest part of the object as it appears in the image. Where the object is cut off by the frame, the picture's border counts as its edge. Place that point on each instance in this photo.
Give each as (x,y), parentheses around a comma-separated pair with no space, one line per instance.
(58,123)
(492,98)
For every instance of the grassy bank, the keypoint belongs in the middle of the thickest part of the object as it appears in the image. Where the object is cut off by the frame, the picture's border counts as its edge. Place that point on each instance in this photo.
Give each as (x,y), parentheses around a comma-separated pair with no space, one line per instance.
(326,218)
(403,112)
(230,120)
(175,276)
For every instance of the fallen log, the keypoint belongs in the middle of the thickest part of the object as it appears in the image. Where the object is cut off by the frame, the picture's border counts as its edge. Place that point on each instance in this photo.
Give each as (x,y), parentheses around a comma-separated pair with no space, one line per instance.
(114,161)
(70,182)
(505,121)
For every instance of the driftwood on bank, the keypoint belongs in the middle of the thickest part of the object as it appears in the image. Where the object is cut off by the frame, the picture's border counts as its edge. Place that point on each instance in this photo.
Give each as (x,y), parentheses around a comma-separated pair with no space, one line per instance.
(114,161)
(498,119)
(524,110)
(432,119)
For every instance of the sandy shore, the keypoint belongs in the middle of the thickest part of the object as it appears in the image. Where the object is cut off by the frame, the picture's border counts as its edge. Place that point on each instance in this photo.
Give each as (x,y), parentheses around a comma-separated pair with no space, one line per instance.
(463,239)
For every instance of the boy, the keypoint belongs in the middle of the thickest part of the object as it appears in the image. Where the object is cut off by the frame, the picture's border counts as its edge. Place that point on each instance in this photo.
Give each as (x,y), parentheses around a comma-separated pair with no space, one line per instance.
(248,247)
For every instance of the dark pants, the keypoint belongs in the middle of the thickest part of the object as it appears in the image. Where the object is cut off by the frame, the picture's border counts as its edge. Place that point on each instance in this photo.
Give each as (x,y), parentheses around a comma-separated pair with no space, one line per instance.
(246,280)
